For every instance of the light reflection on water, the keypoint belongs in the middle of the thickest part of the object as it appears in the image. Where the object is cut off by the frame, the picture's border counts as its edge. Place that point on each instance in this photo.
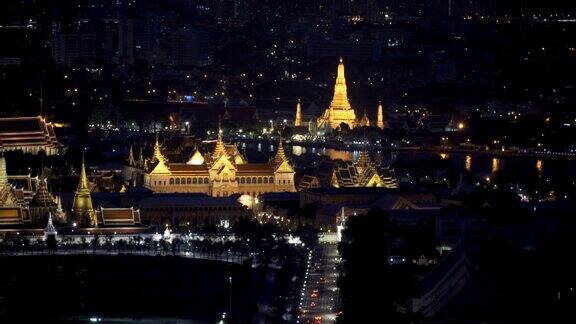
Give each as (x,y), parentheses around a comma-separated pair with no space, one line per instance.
(477,164)
(495,165)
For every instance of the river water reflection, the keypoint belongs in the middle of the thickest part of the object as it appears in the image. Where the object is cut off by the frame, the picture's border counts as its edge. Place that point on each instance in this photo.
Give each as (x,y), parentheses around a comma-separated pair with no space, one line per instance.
(476,164)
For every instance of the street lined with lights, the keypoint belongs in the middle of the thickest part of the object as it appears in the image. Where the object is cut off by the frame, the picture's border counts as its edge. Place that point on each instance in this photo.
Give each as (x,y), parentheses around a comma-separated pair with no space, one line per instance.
(319,295)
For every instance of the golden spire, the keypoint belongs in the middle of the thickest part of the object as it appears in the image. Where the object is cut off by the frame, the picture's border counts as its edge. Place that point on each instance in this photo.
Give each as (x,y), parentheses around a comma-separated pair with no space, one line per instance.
(82,205)
(162,163)
(280,154)
(130,158)
(3,173)
(220,148)
(298,120)
(365,121)
(380,122)
(340,99)
(42,198)
(364,159)
(6,194)
(83,184)
(340,110)
(158,156)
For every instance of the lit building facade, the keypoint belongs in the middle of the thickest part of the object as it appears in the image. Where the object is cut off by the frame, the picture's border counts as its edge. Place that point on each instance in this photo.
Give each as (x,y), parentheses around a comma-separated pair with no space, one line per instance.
(220,174)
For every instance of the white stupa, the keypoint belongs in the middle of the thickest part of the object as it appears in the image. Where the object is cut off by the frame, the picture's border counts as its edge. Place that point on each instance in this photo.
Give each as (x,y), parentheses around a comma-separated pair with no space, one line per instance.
(168,235)
(60,213)
(341,224)
(50,229)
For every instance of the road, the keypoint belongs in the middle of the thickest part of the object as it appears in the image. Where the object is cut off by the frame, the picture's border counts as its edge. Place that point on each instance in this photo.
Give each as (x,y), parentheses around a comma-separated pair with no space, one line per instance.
(223,257)
(319,298)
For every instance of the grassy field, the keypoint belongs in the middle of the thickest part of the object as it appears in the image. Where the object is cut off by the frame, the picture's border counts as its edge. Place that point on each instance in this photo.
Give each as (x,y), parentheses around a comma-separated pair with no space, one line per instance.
(134,287)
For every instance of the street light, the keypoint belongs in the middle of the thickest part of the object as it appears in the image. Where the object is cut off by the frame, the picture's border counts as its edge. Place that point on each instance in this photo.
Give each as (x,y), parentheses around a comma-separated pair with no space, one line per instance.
(230,295)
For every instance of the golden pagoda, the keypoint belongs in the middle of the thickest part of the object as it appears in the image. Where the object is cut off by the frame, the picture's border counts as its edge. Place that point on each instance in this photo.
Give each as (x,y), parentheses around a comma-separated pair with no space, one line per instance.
(220,148)
(339,110)
(42,203)
(161,166)
(365,121)
(6,193)
(158,156)
(280,154)
(298,119)
(82,205)
(380,122)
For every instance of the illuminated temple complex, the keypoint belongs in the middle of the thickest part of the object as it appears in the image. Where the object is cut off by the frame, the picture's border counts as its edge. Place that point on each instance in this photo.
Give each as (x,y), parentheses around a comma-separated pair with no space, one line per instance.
(340,111)
(222,173)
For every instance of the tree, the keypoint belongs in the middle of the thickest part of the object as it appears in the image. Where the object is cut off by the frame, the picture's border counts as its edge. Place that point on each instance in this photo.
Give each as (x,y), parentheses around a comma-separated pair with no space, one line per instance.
(366,275)
(51,243)
(344,128)
(308,235)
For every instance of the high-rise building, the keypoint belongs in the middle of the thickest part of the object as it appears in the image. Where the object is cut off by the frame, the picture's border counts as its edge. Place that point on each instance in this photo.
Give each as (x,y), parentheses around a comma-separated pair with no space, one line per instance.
(126,41)
(190,46)
(68,49)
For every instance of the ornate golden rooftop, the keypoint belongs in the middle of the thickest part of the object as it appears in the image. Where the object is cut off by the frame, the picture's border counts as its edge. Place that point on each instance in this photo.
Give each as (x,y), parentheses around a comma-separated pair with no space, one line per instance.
(29,134)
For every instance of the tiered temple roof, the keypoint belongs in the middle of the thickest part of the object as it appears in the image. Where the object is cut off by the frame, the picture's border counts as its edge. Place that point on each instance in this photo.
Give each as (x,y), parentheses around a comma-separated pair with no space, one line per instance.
(42,198)
(362,173)
(118,216)
(28,134)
